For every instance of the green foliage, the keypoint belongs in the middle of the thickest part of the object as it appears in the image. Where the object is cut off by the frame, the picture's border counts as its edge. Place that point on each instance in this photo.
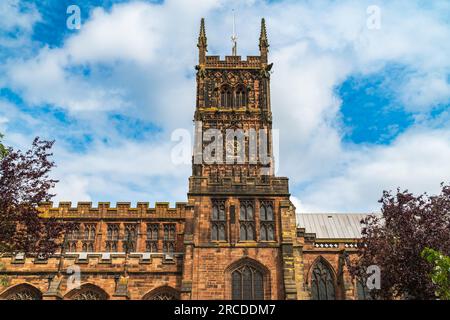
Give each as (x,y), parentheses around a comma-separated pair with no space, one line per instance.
(3,149)
(440,274)
(4,281)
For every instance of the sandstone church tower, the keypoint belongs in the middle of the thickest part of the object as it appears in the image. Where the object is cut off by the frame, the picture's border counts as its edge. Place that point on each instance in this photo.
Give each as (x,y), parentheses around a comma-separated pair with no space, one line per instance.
(236,237)
(239,241)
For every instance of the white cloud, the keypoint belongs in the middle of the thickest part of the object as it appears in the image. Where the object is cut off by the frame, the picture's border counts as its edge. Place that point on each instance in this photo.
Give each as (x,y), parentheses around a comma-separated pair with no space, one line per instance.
(17,18)
(44,79)
(417,161)
(423,92)
(148,51)
(72,188)
(137,171)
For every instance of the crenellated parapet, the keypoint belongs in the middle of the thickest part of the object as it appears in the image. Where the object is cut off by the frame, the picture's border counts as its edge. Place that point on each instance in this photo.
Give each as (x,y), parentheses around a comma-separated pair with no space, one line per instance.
(124,210)
(251,62)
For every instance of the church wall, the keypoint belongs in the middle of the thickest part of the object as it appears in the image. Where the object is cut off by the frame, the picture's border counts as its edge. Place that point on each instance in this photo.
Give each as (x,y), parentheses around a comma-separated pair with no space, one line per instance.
(212,278)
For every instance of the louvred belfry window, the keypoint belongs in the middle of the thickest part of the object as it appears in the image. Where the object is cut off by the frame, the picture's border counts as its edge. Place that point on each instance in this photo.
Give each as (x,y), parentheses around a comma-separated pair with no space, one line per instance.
(267,229)
(246,221)
(322,282)
(226,97)
(241,97)
(218,221)
(247,283)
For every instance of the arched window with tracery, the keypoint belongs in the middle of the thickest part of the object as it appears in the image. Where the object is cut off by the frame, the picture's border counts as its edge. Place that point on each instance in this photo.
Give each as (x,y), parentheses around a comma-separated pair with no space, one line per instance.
(322,282)
(22,292)
(246,221)
(87,292)
(241,97)
(169,238)
(226,97)
(162,293)
(152,237)
(89,237)
(218,220)
(88,295)
(267,230)
(362,291)
(72,238)
(112,237)
(247,283)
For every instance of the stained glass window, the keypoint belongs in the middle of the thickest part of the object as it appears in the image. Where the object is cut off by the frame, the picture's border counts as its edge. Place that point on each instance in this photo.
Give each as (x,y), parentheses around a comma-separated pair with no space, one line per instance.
(322,283)
(152,237)
(129,243)
(163,293)
(24,293)
(247,284)
(267,223)
(218,221)
(246,221)
(112,237)
(89,295)
(362,291)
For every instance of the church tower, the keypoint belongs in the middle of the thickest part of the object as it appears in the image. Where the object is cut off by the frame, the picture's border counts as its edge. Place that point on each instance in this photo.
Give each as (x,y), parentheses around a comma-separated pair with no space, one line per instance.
(239,241)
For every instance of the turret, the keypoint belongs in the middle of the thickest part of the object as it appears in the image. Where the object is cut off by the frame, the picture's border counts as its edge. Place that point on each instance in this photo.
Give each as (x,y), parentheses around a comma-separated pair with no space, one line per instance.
(263,42)
(202,45)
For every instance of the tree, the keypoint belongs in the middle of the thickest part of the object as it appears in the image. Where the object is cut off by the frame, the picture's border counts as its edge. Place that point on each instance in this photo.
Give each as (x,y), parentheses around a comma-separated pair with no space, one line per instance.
(440,275)
(3,150)
(24,184)
(395,240)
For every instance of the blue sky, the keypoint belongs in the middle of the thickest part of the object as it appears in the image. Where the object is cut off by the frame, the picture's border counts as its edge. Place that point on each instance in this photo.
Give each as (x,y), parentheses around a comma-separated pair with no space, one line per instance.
(359,110)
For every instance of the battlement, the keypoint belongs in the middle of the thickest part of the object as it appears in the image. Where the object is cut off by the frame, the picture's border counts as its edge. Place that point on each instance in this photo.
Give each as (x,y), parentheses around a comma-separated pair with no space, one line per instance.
(121,210)
(261,186)
(251,62)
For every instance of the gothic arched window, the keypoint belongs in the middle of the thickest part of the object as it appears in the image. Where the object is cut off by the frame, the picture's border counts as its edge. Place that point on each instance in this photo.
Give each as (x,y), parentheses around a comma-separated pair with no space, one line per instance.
(247,283)
(88,237)
(89,231)
(162,293)
(152,237)
(87,292)
(267,230)
(88,295)
(169,238)
(72,238)
(112,237)
(22,292)
(226,97)
(241,97)
(322,282)
(88,247)
(73,233)
(218,221)
(246,221)
(362,291)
